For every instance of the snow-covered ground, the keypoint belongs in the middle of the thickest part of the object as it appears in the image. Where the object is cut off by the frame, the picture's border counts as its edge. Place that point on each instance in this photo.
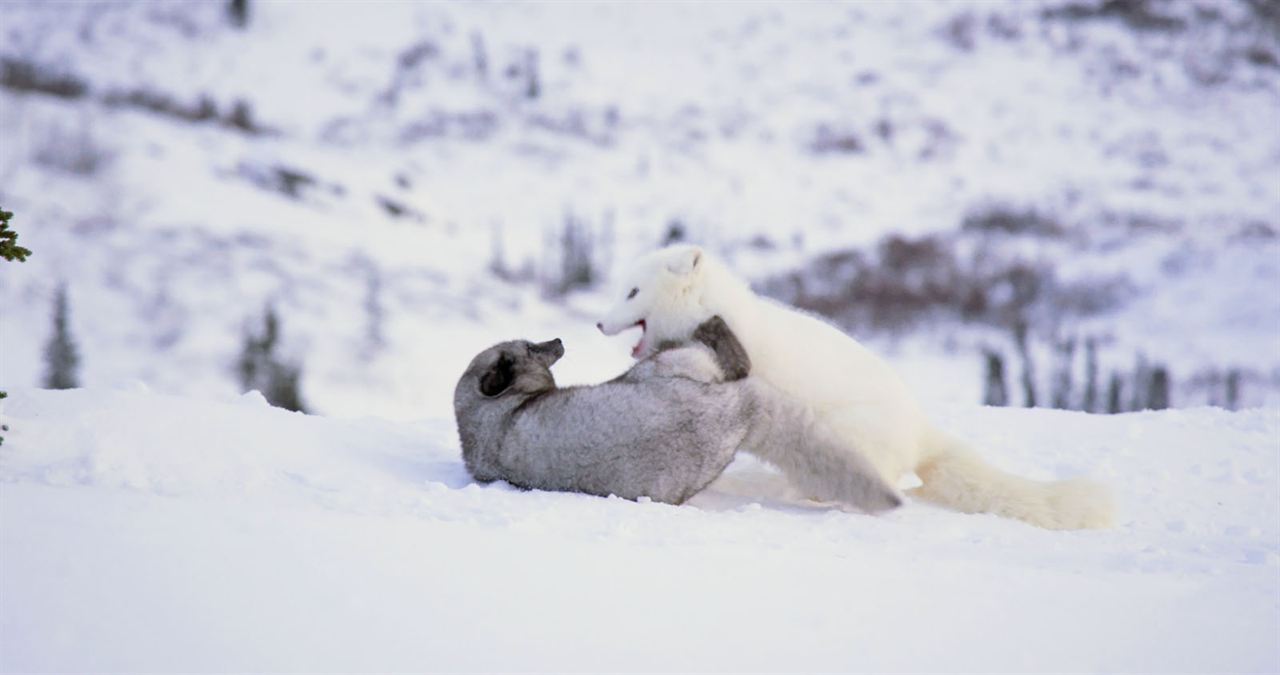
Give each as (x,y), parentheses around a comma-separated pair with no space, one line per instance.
(399,198)
(142,532)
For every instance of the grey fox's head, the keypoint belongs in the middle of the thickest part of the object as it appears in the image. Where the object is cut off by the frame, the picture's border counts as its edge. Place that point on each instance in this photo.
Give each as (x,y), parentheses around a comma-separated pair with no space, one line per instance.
(516,367)
(498,380)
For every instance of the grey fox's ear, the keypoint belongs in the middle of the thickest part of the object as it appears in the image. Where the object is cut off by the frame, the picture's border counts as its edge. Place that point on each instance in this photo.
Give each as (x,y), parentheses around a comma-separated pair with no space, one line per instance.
(685,262)
(499,377)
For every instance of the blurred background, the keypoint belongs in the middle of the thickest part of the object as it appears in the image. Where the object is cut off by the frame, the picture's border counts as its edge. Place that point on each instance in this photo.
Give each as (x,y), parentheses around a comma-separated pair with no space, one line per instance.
(1070,203)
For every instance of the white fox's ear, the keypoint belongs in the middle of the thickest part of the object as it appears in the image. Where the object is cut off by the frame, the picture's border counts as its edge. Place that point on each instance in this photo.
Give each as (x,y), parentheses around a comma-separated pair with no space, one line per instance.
(685,262)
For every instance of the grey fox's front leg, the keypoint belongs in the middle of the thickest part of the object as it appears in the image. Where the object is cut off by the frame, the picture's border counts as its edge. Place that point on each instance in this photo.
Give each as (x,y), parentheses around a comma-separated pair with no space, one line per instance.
(723,360)
(730,354)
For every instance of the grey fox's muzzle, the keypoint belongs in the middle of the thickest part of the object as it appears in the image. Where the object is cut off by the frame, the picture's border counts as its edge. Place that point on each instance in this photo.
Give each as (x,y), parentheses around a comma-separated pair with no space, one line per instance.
(547,352)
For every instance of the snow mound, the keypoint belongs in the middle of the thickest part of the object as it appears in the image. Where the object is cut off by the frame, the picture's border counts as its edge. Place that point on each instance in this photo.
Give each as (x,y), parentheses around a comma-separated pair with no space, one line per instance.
(142,532)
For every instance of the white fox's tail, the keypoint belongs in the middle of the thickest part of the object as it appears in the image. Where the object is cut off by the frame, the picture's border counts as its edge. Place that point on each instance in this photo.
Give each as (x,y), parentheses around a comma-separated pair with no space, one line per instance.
(955,477)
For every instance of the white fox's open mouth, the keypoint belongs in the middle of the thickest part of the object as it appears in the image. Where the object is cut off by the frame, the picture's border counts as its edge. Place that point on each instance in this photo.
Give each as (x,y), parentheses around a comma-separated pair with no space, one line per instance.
(635,351)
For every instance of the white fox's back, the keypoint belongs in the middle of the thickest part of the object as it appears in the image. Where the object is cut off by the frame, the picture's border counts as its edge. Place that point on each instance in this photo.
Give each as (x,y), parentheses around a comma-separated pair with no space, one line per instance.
(846,385)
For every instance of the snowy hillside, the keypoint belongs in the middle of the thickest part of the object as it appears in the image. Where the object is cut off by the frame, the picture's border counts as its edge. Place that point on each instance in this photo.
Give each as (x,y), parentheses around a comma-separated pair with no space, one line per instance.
(151,533)
(406,183)
(397,179)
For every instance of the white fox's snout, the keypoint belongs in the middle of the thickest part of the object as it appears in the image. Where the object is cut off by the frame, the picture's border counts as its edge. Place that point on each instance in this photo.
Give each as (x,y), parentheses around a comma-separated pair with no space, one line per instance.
(613,328)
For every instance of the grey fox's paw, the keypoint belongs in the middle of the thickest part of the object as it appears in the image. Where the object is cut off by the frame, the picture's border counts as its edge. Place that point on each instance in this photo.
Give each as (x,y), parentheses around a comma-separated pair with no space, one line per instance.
(731,356)
(711,330)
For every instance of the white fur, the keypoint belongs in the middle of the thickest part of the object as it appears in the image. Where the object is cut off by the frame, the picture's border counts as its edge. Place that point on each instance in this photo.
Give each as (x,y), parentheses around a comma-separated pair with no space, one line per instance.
(847,387)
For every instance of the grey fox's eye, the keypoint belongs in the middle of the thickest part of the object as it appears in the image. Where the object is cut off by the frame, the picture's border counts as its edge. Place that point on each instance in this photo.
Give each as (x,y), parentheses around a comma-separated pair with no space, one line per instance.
(633,292)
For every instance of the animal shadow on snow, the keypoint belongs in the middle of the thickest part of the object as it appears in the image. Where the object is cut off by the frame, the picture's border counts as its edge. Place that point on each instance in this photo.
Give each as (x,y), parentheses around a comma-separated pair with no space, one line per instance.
(749,481)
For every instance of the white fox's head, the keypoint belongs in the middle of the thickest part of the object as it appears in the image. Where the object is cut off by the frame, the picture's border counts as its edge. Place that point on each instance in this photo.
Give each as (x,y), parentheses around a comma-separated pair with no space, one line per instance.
(660,293)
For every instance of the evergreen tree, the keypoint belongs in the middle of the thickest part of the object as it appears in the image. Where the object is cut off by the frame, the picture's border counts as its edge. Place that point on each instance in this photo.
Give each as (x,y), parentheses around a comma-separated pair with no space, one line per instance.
(1114,392)
(1090,403)
(1158,386)
(260,368)
(1233,390)
(996,392)
(9,248)
(1062,382)
(573,251)
(61,358)
(241,117)
(375,314)
(1214,384)
(1140,389)
(1028,369)
(479,57)
(533,85)
(238,13)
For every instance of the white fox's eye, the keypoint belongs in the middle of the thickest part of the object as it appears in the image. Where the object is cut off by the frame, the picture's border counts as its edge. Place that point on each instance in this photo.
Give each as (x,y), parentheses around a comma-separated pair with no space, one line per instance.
(633,292)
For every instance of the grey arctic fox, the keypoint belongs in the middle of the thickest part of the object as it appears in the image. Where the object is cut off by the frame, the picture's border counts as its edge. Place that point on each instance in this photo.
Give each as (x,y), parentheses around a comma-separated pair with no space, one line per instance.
(664,429)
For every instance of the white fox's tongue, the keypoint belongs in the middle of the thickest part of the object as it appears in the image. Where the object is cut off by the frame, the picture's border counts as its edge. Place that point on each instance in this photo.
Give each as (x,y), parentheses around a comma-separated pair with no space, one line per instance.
(635,351)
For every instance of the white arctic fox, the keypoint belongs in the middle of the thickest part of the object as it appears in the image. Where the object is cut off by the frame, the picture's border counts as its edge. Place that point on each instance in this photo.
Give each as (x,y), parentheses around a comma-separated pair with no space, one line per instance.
(669,292)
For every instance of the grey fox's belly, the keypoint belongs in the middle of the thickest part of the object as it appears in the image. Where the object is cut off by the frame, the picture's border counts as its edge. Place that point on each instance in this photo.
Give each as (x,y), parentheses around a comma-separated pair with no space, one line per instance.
(665,442)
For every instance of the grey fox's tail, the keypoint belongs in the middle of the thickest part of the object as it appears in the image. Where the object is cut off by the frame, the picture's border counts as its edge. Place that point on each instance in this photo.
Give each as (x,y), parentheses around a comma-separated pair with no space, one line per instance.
(786,434)
(955,476)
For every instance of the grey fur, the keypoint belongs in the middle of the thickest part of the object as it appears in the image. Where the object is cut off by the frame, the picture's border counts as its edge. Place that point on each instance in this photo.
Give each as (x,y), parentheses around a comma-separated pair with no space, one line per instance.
(664,429)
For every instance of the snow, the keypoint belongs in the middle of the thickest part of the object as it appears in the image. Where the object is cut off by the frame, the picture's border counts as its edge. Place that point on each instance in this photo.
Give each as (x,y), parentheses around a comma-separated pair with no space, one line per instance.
(162,520)
(144,532)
